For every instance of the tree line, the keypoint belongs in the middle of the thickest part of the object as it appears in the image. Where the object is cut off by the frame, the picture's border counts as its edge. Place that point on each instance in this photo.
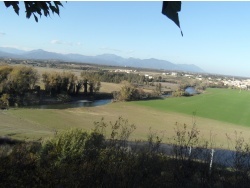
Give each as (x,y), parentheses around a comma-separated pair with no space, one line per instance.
(67,82)
(17,81)
(117,77)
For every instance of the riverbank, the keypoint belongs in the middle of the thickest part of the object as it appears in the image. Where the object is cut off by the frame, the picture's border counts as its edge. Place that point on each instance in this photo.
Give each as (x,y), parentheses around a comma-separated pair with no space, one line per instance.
(34,99)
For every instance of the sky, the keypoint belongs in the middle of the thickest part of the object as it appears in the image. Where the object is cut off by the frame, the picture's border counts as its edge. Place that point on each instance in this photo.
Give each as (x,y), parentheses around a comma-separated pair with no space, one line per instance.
(216,34)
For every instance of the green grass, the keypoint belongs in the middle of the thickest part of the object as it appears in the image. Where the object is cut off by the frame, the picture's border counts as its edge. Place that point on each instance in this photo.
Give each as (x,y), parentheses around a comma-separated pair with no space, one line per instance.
(219,112)
(25,123)
(232,106)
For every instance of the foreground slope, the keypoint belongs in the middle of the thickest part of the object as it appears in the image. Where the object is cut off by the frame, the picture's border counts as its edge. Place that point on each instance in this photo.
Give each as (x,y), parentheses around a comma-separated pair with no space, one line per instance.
(33,124)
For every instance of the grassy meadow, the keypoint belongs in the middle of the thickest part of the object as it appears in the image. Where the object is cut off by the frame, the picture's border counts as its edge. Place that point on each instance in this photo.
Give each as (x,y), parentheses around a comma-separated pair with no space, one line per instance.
(226,105)
(160,115)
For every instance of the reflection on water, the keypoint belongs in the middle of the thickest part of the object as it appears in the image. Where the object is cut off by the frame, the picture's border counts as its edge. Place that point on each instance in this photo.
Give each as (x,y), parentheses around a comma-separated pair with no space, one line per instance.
(190,90)
(166,95)
(75,104)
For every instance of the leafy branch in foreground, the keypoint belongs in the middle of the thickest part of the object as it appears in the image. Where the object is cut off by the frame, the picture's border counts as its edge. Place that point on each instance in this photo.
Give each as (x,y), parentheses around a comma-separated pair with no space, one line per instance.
(36,7)
(121,130)
(171,9)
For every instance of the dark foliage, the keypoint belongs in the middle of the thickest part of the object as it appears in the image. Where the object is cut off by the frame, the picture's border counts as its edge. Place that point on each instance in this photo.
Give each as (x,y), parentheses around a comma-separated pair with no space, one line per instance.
(171,9)
(36,8)
(77,158)
(117,77)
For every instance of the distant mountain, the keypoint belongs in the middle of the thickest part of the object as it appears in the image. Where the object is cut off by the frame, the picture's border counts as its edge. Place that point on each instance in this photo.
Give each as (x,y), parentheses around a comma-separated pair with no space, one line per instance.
(104,59)
(8,55)
(44,55)
(12,50)
(190,68)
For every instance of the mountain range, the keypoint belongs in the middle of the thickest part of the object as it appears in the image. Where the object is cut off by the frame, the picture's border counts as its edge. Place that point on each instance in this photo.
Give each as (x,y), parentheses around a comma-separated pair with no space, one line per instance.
(104,59)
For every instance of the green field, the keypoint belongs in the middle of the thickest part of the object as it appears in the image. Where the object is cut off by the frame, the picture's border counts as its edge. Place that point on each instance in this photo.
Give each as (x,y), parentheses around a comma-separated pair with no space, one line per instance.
(218,112)
(227,105)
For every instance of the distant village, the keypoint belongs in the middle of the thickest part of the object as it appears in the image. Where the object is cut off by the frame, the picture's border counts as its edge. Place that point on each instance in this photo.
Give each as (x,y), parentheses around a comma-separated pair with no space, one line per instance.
(227,81)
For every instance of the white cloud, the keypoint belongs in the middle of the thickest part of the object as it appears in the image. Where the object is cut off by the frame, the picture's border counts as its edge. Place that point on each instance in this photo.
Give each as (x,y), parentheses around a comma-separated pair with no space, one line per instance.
(65,43)
(130,52)
(56,42)
(2,33)
(110,49)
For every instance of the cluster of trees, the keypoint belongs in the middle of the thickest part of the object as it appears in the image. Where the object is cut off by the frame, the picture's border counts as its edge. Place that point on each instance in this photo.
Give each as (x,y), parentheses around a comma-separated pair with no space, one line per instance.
(178,92)
(66,82)
(129,92)
(199,86)
(118,77)
(21,79)
(218,85)
(17,80)
(57,83)
(90,81)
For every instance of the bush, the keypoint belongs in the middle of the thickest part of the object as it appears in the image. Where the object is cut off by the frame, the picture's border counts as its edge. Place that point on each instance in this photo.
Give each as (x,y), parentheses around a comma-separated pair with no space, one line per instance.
(70,147)
(76,158)
(4,101)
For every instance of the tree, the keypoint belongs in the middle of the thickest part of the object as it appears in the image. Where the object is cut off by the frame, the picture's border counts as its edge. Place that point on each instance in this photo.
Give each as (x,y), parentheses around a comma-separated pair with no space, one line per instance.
(158,88)
(57,83)
(178,93)
(128,92)
(36,7)
(92,80)
(69,82)
(97,87)
(4,72)
(78,86)
(21,79)
(4,101)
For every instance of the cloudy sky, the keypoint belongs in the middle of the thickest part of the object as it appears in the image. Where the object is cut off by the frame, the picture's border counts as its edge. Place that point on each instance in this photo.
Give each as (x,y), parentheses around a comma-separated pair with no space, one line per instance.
(216,34)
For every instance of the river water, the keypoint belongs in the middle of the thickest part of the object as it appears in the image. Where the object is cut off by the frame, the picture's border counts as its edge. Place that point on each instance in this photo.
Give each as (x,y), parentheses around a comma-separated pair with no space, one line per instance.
(74,104)
(88,103)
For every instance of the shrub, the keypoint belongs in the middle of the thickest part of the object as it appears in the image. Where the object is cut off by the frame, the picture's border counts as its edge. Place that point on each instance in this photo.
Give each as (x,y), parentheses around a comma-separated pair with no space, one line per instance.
(76,158)
(69,147)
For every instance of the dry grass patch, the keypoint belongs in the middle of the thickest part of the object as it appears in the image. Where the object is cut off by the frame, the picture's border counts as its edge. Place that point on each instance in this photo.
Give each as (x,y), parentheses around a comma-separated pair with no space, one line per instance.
(37,123)
(109,87)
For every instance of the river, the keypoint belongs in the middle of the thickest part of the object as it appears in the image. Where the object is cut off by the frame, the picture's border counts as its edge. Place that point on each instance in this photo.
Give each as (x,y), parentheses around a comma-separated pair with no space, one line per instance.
(74,104)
